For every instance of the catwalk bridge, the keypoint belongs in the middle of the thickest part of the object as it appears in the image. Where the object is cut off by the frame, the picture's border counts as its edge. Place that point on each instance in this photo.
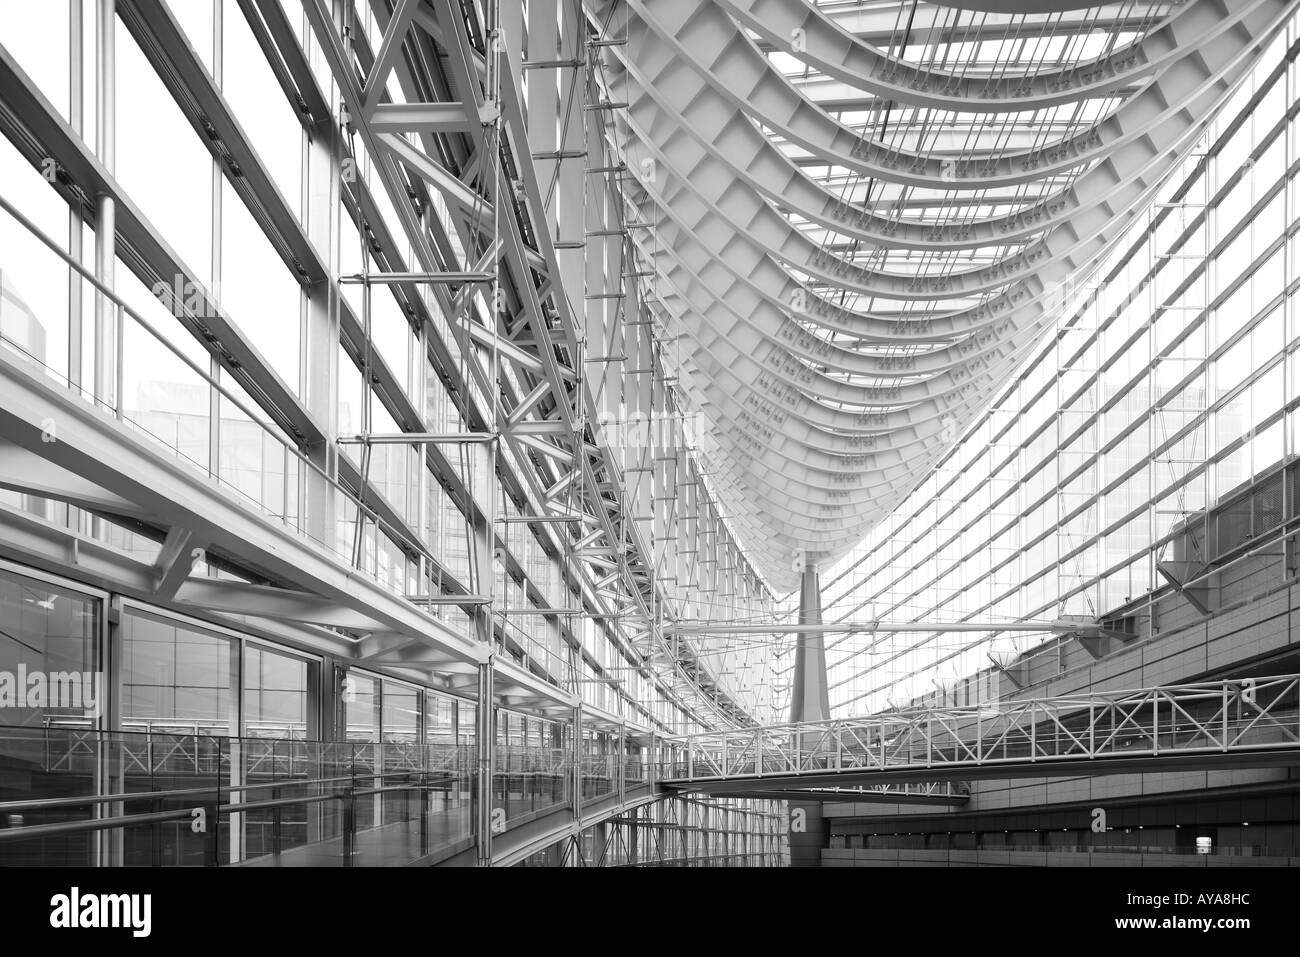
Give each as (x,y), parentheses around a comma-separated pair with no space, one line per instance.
(1245,722)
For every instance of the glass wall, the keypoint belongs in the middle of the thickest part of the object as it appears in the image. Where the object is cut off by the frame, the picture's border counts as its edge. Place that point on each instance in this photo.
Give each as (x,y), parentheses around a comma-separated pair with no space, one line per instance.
(534,765)
(398,730)
(217,720)
(1164,394)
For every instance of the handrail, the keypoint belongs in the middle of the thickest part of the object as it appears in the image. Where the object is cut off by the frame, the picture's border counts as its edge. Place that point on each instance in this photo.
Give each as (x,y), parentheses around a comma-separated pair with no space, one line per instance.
(1081,699)
(29,832)
(681,861)
(420,780)
(1230,717)
(33,831)
(38,804)
(255,416)
(1218,850)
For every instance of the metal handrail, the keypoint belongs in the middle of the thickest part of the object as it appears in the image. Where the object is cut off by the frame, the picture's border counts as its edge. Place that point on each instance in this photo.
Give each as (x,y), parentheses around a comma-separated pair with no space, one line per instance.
(1080,700)
(38,804)
(395,533)
(29,832)
(1228,715)
(536,768)
(33,831)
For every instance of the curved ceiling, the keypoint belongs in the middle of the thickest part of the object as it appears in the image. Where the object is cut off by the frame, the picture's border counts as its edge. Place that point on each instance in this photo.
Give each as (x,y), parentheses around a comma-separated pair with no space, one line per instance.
(861,229)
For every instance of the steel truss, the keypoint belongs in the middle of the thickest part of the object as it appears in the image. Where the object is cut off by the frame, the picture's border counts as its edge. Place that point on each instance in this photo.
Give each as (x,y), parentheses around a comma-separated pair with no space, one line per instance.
(631,533)
(526,343)
(1246,721)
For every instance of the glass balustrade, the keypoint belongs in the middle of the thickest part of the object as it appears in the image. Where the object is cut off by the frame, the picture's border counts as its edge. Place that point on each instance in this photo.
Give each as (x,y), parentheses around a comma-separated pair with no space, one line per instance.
(74,796)
(157,383)
(166,796)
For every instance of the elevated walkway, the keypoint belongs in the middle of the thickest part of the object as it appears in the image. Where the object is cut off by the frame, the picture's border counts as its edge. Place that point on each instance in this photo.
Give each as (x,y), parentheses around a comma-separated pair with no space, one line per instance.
(1250,722)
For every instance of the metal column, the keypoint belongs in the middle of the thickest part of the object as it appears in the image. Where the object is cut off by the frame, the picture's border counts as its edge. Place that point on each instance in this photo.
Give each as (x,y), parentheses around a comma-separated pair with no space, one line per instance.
(809,701)
(485,740)
(809,697)
(105,361)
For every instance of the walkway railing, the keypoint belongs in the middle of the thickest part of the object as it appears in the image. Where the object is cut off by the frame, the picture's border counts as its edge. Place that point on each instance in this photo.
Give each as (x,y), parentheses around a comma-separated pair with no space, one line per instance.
(80,797)
(1231,717)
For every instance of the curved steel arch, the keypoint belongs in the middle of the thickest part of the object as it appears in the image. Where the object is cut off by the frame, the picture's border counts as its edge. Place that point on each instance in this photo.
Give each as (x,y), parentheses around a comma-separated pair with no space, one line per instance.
(773,173)
(681,107)
(1105,189)
(1083,235)
(688,41)
(822,415)
(837,53)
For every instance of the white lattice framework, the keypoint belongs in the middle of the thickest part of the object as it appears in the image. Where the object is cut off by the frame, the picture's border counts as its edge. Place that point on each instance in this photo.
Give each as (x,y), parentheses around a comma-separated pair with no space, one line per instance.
(859,235)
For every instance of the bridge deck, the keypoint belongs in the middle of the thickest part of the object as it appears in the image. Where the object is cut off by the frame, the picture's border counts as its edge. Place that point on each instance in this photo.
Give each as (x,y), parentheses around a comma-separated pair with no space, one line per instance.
(1251,722)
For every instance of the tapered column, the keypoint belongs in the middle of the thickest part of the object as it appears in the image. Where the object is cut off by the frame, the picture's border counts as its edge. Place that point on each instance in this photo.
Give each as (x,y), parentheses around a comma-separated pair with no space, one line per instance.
(809,701)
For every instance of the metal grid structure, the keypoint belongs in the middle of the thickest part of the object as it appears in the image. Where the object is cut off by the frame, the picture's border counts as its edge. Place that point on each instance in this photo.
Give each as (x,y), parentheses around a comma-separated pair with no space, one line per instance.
(1203,724)
(674,832)
(862,241)
(1143,451)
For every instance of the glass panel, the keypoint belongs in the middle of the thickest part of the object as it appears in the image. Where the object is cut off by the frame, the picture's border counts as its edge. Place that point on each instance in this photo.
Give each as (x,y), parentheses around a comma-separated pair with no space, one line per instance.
(275,694)
(258,293)
(255,96)
(176,677)
(33,280)
(173,190)
(37,37)
(48,648)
